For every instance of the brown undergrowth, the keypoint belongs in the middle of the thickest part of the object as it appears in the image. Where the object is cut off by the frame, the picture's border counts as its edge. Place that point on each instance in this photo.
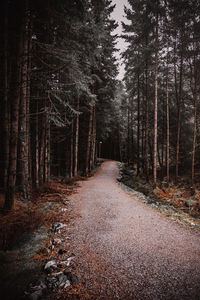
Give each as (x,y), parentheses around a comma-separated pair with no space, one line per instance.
(28,216)
(182,196)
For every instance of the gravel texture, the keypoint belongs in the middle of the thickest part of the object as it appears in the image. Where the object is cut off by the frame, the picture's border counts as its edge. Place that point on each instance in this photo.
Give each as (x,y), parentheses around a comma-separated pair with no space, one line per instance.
(127,250)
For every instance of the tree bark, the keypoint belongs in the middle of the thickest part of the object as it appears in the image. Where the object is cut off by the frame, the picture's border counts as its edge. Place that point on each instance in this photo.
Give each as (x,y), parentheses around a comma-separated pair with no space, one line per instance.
(92,163)
(128,135)
(72,151)
(42,150)
(138,127)
(119,143)
(37,150)
(155,110)
(131,135)
(15,96)
(194,90)
(167,121)
(47,152)
(76,140)
(147,124)
(179,118)
(89,140)
(6,127)
(194,139)
(23,141)
(29,98)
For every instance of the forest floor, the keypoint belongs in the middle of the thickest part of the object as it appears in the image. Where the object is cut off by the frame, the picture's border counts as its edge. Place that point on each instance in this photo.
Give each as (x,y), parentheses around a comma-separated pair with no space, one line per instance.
(99,239)
(180,202)
(29,238)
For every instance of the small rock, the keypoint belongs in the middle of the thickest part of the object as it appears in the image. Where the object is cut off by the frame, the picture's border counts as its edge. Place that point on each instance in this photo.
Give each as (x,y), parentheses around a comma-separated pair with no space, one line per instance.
(192,224)
(58,226)
(66,263)
(50,266)
(63,281)
(67,284)
(64,209)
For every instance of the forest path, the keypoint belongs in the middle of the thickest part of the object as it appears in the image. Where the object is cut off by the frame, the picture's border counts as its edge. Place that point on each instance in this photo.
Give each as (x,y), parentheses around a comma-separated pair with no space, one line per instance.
(126,250)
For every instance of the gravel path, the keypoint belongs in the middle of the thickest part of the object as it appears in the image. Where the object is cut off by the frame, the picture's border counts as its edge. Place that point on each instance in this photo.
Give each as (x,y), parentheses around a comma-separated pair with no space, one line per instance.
(126,250)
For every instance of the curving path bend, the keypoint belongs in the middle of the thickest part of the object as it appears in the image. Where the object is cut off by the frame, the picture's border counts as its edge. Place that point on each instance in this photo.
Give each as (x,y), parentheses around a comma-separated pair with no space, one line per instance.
(126,250)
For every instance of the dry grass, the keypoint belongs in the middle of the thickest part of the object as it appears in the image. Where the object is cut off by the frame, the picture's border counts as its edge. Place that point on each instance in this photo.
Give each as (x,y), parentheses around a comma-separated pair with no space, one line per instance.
(28,216)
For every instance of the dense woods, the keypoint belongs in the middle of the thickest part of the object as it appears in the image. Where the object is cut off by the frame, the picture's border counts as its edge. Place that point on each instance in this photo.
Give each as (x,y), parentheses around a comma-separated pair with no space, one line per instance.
(162,81)
(62,106)
(57,75)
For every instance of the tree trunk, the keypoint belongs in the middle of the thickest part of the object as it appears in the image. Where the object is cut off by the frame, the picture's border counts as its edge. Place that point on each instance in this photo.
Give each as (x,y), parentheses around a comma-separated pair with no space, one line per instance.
(30,155)
(138,127)
(119,143)
(89,141)
(167,120)
(155,110)
(143,126)
(6,127)
(179,118)
(23,141)
(194,90)
(72,151)
(147,124)
(194,140)
(93,139)
(128,136)
(76,141)
(37,150)
(15,96)
(47,152)
(42,150)
(131,136)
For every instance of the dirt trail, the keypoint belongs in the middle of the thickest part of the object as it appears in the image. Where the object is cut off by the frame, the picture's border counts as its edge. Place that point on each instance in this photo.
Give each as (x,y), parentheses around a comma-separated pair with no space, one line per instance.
(126,250)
